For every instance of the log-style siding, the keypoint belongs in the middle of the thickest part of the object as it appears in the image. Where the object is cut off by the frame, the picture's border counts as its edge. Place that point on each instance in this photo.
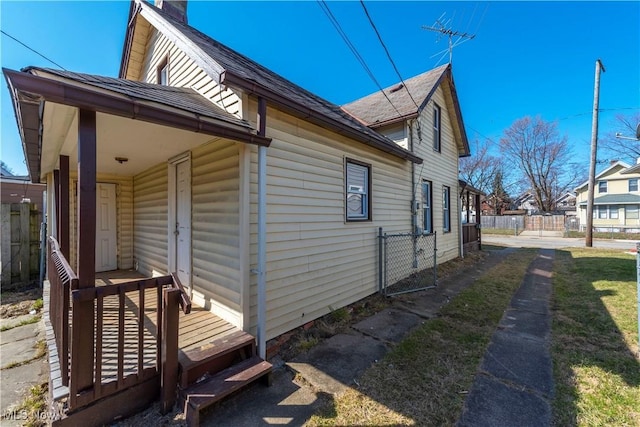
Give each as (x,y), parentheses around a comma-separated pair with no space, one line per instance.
(215,229)
(150,207)
(124,217)
(183,72)
(441,168)
(316,261)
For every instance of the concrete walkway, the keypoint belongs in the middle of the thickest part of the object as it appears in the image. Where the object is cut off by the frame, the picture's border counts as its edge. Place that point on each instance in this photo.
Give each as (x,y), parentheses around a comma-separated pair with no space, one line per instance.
(303,385)
(20,369)
(515,383)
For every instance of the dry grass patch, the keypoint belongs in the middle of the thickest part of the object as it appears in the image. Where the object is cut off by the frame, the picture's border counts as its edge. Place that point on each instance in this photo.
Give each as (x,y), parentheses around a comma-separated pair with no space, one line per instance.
(594,339)
(424,380)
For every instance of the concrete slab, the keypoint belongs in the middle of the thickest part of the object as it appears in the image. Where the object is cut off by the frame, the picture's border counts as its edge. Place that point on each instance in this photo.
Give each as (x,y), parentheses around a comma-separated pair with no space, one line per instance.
(284,403)
(388,325)
(521,361)
(12,322)
(426,304)
(18,344)
(15,383)
(333,365)
(492,404)
(529,324)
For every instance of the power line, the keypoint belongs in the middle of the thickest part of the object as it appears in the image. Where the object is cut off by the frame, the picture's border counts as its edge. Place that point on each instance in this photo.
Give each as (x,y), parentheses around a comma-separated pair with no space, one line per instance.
(387,52)
(325,8)
(33,50)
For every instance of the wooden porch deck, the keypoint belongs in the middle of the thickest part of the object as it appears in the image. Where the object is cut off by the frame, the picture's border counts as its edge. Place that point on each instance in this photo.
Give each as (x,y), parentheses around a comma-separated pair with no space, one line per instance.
(196,330)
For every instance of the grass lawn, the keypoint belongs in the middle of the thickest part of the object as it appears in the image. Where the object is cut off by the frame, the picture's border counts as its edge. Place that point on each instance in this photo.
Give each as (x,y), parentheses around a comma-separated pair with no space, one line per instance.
(595,339)
(425,379)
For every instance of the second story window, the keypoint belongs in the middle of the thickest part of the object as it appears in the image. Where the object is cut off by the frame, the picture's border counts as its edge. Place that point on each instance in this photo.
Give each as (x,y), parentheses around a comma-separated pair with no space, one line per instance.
(163,72)
(633,184)
(602,186)
(437,128)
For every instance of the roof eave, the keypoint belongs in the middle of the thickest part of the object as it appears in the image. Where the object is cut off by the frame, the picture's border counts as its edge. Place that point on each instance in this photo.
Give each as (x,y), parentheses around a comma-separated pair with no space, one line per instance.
(301,111)
(134,8)
(394,120)
(58,91)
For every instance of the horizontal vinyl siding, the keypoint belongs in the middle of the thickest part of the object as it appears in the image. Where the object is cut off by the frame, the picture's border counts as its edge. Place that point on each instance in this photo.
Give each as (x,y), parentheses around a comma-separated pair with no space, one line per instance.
(184,72)
(441,168)
(315,260)
(124,218)
(215,228)
(150,220)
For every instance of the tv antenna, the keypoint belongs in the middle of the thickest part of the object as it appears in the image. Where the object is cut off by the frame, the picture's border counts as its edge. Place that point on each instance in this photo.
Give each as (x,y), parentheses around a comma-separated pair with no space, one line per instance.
(444,29)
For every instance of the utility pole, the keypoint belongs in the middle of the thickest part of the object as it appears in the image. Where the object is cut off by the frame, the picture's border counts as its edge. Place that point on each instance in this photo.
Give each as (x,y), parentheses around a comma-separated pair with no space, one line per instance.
(588,241)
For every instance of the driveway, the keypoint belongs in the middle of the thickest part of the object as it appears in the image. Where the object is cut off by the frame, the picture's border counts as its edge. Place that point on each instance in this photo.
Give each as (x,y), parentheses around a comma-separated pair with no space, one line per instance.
(549,242)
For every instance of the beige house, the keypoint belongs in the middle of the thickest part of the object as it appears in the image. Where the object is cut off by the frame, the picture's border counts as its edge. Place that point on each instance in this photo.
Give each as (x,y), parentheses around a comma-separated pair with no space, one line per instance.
(264,199)
(616,203)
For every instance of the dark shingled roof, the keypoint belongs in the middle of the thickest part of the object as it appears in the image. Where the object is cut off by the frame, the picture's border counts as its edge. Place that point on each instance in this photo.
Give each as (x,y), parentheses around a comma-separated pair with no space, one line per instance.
(375,108)
(182,98)
(247,69)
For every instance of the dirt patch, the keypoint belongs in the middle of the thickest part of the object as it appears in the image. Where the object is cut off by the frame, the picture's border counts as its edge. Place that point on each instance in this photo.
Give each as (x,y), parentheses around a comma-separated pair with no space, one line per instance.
(19,302)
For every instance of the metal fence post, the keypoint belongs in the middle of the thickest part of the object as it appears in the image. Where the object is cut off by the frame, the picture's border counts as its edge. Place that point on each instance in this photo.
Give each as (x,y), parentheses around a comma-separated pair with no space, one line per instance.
(435,258)
(380,258)
(638,289)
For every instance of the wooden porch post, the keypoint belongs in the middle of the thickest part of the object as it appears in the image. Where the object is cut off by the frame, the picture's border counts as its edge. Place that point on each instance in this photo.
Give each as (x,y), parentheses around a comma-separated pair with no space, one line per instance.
(63,207)
(56,200)
(84,311)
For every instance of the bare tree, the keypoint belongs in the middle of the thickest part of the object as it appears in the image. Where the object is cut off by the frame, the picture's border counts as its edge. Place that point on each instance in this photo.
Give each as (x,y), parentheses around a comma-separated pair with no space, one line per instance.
(479,170)
(618,148)
(534,149)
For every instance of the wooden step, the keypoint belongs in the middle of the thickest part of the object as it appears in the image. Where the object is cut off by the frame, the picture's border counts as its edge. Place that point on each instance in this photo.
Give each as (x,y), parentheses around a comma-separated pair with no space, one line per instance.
(200,396)
(215,356)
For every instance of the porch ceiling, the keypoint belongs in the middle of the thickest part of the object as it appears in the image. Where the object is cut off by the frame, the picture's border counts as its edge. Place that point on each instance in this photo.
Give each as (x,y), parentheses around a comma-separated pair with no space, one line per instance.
(144,144)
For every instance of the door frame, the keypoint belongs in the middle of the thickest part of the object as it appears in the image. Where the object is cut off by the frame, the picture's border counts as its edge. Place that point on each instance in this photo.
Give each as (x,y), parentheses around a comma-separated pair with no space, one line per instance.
(113,210)
(172,215)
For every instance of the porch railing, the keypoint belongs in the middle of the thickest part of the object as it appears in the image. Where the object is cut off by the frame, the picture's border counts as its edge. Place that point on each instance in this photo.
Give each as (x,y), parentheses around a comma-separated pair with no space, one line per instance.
(135,328)
(61,279)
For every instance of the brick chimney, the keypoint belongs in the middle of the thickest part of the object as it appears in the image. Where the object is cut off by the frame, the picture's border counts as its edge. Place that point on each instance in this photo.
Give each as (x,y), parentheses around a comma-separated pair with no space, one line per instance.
(175,8)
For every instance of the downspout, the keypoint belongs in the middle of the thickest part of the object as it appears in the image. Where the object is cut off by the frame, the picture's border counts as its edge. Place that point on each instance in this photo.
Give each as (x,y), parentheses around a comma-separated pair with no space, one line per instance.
(461,192)
(262,230)
(414,211)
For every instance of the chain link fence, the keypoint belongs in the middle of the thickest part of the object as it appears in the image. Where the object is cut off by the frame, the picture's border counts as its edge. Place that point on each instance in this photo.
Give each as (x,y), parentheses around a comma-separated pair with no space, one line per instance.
(407,262)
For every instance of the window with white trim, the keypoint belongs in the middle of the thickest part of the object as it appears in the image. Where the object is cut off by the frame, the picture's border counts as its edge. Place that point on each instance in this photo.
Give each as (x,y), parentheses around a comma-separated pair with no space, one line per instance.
(602,212)
(613,212)
(437,125)
(358,191)
(632,212)
(446,209)
(427,211)
(602,186)
(163,72)
(633,184)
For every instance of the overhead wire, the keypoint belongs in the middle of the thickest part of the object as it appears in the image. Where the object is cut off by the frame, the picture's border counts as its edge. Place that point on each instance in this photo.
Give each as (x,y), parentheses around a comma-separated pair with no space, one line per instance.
(325,8)
(375,29)
(32,50)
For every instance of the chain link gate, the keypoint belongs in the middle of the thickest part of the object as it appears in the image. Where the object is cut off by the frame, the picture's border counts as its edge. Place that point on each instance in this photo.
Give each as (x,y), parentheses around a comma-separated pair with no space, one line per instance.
(407,262)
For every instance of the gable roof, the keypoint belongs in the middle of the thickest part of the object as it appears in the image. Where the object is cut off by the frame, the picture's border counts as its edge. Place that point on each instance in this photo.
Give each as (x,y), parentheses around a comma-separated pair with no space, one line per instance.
(226,66)
(633,169)
(376,111)
(617,164)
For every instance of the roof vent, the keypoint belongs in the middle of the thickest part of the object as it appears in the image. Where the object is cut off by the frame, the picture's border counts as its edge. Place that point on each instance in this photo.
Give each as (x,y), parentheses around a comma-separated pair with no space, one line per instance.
(177,9)
(397,88)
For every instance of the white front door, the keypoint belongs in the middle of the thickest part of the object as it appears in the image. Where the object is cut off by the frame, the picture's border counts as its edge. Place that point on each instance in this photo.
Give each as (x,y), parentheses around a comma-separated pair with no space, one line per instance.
(106,237)
(183,222)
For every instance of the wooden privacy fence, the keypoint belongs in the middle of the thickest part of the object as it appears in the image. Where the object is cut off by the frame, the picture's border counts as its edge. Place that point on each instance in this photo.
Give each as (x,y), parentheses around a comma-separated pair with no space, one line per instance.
(20,242)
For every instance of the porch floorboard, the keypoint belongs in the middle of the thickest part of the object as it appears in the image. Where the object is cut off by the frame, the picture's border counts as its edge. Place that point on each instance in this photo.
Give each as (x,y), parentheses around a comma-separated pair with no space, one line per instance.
(196,329)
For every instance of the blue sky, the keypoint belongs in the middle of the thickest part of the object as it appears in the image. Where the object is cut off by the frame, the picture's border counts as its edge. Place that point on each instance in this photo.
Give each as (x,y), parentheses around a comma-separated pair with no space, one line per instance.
(528,58)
